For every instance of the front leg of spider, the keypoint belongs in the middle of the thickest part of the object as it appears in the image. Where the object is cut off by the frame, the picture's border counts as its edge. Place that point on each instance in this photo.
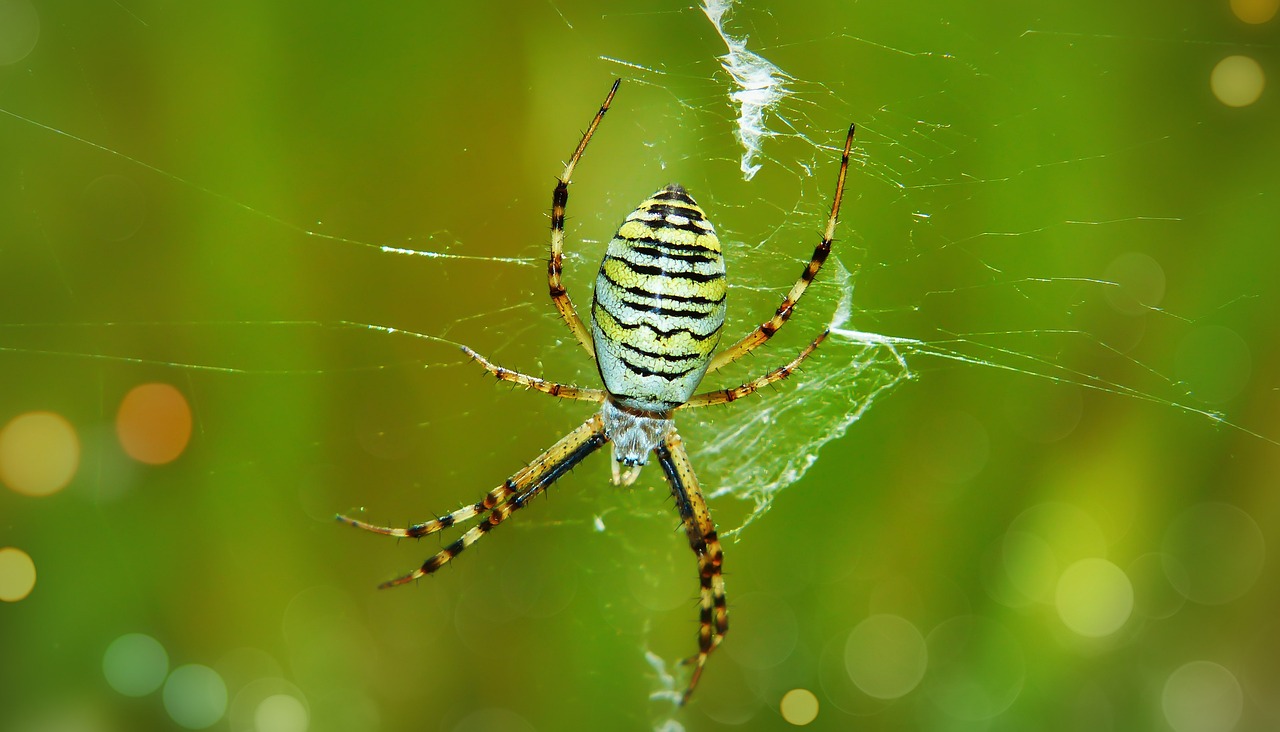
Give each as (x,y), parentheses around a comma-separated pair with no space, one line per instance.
(656,315)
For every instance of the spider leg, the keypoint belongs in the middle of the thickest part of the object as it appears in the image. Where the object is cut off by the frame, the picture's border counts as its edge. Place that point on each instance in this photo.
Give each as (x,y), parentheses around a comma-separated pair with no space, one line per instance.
(532,382)
(724,396)
(559,201)
(766,329)
(413,531)
(713,613)
(502,501)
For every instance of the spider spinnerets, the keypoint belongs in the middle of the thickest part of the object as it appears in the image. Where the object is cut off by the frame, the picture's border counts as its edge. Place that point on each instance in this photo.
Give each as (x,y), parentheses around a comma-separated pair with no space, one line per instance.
(656,314)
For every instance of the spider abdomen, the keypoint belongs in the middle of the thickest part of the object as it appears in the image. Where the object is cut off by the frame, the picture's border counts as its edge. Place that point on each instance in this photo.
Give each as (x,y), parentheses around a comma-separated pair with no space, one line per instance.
(659,303)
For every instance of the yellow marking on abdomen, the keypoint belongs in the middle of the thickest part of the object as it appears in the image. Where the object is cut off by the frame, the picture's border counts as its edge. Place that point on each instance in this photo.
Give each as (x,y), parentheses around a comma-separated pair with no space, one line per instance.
(659,303)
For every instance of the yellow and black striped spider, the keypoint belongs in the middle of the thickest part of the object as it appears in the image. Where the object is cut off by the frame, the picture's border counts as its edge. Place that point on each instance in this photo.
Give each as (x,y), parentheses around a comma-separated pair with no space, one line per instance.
(656,315)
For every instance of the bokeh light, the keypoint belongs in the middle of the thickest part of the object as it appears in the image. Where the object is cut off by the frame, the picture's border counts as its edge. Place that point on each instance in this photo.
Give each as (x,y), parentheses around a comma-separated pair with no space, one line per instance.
(886,656)
(976,668)
(658,590)
(1094,598)
(732,701)
(1040,543)
(980,216)
(246,710)
(1213,552)
(1237,81)
(837,688)
(1255,12)
(154,423)
(17,574)
(772,630)
(195,696)
(1140,283)
(242,666)
(39,453)
(135,664)
(1202,696)
(281,713)
(329,642)
(19,30)
(1029,566)
(799,707)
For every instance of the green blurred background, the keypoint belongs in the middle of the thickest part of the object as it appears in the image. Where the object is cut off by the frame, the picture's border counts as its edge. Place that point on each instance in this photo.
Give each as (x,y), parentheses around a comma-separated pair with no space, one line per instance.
(196,194)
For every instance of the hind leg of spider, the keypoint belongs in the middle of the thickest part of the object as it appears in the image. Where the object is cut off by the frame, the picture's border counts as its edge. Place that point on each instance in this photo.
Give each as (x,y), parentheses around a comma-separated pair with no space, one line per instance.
(724,396)
(560,201)
(548,466)
(713,613)
(532,382)
(767,329)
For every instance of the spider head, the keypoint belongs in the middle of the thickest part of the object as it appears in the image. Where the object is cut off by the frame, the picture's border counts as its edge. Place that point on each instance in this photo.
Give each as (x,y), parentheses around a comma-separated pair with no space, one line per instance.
(634,434)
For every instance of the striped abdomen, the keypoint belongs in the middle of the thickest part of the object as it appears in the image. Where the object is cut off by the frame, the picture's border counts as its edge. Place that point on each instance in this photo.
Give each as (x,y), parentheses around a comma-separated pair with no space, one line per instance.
(659,303)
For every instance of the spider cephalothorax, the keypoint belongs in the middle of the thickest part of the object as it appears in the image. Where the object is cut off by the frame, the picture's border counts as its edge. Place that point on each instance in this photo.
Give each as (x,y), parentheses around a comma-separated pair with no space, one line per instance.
(656,315)
(634,435)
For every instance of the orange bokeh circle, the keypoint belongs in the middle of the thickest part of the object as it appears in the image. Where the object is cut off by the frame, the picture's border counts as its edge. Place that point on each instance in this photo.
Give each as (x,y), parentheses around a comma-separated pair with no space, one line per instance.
(154,423)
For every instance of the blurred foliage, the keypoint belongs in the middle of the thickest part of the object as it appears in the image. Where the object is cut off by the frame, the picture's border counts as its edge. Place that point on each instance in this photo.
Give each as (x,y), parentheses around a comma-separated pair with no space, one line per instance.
(196,194)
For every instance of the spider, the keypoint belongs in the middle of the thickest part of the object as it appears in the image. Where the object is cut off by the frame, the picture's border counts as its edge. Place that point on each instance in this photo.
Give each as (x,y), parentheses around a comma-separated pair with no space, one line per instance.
(656,314)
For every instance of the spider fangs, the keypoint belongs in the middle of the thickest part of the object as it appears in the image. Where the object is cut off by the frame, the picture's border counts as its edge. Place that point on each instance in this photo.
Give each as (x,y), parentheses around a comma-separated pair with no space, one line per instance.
(656,315)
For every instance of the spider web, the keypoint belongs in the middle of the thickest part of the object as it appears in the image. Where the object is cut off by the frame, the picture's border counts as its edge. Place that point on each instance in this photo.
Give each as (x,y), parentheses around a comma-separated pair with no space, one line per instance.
(931,269)
(737,109)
